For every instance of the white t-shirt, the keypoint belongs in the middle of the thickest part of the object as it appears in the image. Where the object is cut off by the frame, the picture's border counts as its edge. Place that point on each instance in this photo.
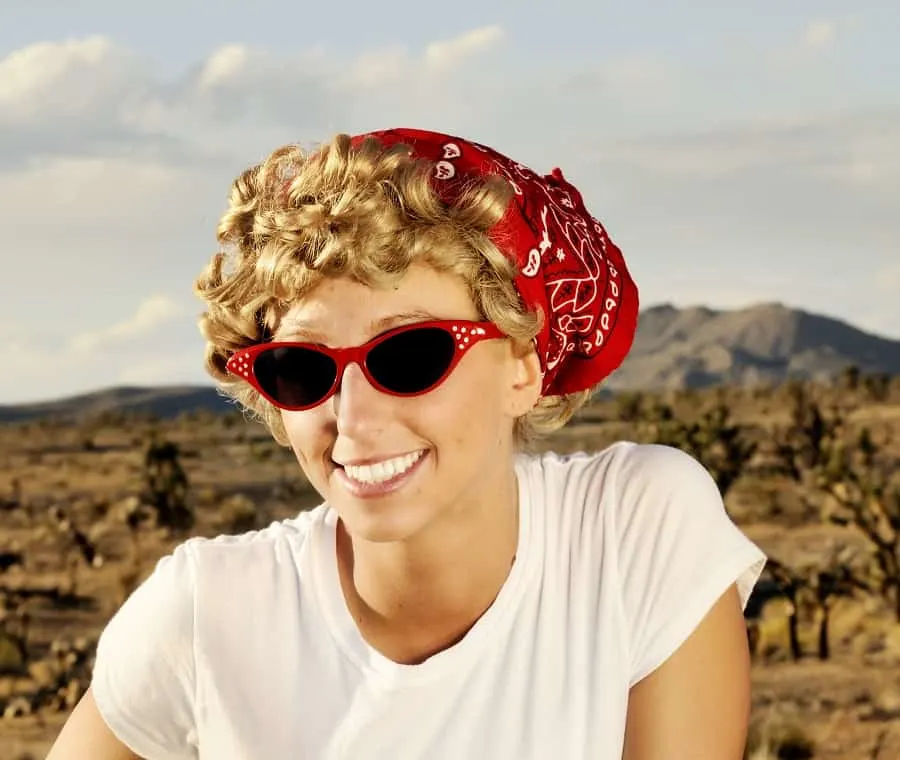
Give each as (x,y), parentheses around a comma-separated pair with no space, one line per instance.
(242,648)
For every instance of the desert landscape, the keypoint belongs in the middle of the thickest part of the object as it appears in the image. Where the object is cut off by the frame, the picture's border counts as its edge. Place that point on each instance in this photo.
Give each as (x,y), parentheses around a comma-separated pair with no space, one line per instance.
(809,471)
(745,164)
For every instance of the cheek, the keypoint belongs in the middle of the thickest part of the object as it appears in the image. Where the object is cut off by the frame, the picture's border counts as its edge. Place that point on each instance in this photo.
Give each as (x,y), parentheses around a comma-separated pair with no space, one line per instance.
(468,406)
(306,434)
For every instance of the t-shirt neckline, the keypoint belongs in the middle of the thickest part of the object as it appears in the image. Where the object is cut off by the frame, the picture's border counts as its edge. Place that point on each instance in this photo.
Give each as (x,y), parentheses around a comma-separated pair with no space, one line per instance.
(343,628)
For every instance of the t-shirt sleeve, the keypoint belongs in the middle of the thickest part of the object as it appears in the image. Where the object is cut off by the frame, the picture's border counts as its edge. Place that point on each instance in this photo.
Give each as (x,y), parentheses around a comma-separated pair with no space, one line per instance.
(144,674)
(679,551)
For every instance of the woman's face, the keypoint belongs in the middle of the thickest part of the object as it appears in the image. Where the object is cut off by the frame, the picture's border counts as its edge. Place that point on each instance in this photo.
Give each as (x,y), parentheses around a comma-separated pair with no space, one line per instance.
(456,440)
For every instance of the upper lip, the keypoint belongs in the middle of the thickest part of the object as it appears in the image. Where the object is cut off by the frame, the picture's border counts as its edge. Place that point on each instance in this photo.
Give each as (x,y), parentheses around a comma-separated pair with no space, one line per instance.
(373,460)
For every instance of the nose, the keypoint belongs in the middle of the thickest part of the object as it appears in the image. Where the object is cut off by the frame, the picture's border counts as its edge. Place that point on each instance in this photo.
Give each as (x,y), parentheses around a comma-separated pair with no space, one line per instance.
(358,406)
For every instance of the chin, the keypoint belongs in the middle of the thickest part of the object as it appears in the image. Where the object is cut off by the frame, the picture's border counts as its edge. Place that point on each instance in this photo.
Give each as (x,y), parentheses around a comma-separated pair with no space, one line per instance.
(379,524)
(389,512)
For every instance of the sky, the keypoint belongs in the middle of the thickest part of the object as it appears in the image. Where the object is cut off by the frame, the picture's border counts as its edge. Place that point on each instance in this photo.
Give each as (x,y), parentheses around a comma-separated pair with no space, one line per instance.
(738,153)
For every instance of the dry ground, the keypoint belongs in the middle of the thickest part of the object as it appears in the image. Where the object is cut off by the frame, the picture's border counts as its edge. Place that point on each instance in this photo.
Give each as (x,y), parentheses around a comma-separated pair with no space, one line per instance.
(54,604)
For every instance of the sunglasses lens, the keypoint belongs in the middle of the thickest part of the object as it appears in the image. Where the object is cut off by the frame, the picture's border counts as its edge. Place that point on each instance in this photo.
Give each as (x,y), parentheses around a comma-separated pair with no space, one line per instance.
(412,361)
(295,376)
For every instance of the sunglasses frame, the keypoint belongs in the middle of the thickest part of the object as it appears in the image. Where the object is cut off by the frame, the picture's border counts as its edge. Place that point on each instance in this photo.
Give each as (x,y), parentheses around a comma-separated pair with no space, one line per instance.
(465,334)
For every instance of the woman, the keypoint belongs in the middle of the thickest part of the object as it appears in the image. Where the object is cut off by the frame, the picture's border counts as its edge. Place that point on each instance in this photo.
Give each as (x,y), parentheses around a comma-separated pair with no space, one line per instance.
(407,310)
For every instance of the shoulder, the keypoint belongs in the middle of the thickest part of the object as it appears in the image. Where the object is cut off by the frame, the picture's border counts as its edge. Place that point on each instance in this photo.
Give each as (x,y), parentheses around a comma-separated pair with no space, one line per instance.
(612,502)
(659,506)
(559,473)
(282,535)
(183,580)
(623,476)
(656,482)
(146,676)
(235,566)
(652,512)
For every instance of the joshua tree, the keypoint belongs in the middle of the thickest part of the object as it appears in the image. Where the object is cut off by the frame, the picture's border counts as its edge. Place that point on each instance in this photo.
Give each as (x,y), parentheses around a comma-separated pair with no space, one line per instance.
(14,624)
(877,386)
(76,539)
(718,443)
(849,377)
(827,585)
(14,500)
(629,406)
(855,482)
(821,584)
(790,584)
(864,494)
(808,443)
(166,485)
(813,587)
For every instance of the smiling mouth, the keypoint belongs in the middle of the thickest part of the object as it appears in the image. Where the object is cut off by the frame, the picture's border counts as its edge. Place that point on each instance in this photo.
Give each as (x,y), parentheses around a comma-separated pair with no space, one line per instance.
(382,471)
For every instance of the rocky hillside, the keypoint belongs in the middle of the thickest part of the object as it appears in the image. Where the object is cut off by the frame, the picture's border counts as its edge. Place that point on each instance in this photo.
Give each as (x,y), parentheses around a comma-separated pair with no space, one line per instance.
(164,402)
(697,347)
(675,348)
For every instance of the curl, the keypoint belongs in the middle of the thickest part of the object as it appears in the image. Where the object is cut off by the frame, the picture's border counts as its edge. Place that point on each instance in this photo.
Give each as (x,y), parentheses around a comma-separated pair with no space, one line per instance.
(367,212)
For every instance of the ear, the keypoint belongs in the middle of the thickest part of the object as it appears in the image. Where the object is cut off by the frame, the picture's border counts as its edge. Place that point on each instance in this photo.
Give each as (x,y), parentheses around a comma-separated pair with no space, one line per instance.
(526,379)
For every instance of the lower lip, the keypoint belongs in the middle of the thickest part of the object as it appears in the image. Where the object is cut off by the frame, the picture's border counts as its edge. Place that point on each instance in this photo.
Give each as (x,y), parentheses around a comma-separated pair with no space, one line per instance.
(375,490)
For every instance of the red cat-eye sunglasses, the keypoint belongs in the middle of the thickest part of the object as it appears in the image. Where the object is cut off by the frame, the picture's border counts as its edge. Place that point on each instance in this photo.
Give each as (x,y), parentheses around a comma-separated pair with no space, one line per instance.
(405,361)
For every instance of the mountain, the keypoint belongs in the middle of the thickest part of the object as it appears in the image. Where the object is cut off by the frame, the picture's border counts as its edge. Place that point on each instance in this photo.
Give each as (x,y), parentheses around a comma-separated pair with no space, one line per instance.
(769,342)
(164,402)
(674,348)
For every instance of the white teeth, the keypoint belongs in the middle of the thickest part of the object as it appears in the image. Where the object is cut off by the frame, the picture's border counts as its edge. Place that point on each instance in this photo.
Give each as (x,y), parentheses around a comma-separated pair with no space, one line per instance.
(381,471)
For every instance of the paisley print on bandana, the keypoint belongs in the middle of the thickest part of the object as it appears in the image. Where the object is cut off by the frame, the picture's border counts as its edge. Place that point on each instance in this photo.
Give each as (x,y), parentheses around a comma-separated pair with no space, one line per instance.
(569,269)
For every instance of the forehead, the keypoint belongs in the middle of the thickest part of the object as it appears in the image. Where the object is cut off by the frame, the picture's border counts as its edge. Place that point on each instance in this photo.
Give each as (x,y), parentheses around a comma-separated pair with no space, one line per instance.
(345,308)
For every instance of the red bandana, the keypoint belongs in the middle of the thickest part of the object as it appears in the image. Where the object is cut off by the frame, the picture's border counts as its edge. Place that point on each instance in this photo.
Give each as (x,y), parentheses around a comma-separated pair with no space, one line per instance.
(568,267)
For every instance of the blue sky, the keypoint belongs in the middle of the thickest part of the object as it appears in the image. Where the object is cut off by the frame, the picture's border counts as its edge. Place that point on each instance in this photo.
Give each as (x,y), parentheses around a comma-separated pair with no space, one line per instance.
(737,152)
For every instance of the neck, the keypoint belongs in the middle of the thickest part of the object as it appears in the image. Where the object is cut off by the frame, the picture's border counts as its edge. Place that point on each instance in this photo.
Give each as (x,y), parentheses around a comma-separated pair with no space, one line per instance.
(427,591)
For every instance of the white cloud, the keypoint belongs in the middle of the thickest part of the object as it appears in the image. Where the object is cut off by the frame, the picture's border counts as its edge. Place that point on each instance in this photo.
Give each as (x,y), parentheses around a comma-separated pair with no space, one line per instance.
(848,148)
(643,76)
(157,343)
(180,143)
(87,192)
(820,35)
(13,340)
(817,38)
(635,81)
(124,199)
(447,54)
(241,101)
(151,314)
(171,369)
(47,81)
(37,368)
(224,65)
(401,82)
(888,279)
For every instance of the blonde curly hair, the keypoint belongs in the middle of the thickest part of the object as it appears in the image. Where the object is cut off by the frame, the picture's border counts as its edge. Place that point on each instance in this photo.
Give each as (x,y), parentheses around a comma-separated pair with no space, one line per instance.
(366,212)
